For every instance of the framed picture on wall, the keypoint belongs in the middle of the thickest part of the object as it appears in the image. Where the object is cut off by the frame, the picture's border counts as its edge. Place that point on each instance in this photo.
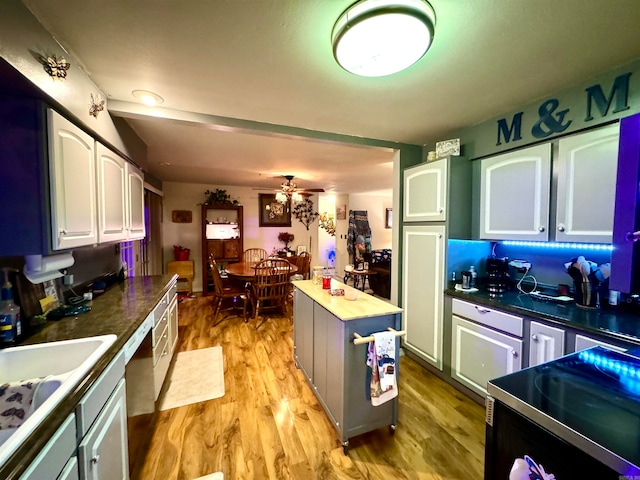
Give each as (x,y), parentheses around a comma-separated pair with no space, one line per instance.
(273,213)
(300,249)
(388,218)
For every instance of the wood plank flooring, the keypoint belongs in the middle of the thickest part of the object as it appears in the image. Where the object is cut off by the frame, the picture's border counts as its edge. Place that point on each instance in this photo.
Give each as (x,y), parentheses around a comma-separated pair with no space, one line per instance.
(268,425)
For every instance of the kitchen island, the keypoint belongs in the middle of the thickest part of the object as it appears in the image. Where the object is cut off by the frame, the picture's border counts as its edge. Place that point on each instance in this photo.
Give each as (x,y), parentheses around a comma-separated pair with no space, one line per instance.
(335,368)
(121,311)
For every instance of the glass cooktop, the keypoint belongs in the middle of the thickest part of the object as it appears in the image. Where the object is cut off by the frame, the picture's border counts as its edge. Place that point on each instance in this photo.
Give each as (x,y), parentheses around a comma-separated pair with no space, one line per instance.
(590,399)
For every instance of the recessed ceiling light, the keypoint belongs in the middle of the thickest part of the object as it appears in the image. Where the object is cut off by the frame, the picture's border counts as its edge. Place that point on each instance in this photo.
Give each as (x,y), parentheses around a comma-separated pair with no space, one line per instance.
(147,97)
(164,164)
(374,38)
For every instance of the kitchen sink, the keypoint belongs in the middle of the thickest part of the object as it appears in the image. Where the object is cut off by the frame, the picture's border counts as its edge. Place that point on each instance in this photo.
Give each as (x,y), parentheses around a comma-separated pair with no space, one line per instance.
(57,368)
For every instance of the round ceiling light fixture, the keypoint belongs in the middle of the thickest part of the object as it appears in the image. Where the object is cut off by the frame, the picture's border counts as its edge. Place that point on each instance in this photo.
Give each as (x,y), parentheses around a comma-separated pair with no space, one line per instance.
(148,98)
(374,38)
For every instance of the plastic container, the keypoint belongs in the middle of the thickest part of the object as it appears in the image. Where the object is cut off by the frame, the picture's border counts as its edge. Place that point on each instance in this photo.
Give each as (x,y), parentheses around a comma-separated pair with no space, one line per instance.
(317,275)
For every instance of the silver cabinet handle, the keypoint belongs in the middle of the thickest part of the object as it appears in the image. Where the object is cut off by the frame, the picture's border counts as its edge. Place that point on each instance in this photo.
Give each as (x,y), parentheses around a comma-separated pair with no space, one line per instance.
(165,353)
(561,228)
(541,229)
(95,459)
(534,338)
(514,353)
(440,210)
(482,310)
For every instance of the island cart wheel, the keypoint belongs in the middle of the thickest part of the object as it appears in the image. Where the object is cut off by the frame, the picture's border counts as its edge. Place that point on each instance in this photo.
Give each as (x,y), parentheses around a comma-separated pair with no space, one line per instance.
(392,429)
(345,447)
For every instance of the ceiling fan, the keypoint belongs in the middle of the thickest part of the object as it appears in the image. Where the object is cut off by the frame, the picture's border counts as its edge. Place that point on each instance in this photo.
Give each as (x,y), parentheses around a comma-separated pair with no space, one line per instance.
(290,191)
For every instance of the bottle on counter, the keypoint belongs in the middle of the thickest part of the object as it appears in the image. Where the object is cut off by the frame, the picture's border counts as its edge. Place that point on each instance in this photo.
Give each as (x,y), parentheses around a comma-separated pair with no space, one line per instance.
(473,281)
(452,282)
(10,322)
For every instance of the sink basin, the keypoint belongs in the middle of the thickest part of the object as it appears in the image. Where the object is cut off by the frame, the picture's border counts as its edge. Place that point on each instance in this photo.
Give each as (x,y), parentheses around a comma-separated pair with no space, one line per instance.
(59,365)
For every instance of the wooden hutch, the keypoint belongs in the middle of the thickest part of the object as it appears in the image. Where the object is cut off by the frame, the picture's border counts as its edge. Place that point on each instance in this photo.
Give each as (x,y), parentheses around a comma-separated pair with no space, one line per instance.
(221,236)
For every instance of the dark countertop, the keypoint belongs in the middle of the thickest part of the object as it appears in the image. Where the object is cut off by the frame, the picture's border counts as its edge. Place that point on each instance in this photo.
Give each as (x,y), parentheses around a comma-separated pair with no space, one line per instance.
(120,311)
(613,322)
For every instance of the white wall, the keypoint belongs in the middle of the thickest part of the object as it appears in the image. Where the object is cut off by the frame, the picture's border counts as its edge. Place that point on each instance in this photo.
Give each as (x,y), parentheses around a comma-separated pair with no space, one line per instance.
(326,242)
(187,196)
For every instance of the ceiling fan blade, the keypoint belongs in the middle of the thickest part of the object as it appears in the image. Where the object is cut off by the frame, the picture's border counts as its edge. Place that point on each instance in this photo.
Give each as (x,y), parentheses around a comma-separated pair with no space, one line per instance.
(311,190)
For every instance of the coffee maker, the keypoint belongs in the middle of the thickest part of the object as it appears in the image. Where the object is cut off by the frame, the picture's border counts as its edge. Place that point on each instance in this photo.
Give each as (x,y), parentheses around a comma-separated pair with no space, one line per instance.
(498,279)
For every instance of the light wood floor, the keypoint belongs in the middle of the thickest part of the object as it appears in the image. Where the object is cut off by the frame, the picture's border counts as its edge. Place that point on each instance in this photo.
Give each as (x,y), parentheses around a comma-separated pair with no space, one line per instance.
(268,425)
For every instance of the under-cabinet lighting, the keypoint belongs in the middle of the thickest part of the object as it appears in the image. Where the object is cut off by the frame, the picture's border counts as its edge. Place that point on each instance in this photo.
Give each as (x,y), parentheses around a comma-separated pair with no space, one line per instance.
(560,246)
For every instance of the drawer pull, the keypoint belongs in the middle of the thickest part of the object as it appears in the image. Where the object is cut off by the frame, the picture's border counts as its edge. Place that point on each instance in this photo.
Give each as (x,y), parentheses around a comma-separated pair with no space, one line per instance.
(534,338)
(514,353)
(95,459)
(165,353)
(482,310)
(164,336)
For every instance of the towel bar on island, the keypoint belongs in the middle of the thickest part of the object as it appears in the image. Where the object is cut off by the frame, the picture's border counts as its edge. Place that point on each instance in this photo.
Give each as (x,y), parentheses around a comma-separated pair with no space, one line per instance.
(359,339)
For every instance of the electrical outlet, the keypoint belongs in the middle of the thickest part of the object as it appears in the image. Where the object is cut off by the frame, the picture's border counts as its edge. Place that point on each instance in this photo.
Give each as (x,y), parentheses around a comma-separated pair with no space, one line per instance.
(67,279)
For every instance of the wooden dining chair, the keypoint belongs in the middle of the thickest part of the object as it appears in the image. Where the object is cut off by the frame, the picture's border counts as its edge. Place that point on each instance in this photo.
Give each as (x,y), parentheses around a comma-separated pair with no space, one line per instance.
(270,287)
(222,293)
(254,255)
(303,262)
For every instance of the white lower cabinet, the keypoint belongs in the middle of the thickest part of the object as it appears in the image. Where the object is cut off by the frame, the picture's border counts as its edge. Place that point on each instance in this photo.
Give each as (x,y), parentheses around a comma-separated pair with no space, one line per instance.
(103,452)
(545,343)
(422,298)
(583,342)
(53,460)
(480,354)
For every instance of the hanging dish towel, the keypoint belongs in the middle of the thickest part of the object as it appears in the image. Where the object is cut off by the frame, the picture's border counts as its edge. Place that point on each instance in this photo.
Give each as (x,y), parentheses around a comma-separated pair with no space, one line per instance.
(381,357)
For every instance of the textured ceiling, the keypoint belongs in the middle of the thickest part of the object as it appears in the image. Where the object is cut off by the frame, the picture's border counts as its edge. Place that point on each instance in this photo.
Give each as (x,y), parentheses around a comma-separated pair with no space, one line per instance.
(271,61)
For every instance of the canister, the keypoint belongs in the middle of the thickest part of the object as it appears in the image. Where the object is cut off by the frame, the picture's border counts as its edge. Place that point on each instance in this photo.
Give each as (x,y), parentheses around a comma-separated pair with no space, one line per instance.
(317,275)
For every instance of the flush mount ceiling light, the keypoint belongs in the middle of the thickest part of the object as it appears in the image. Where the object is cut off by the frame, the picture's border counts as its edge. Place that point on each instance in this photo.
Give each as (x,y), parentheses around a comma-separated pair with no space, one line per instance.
(148,98)
(373,38)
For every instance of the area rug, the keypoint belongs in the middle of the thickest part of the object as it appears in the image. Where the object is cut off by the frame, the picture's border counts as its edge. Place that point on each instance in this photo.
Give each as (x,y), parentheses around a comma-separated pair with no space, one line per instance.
(213,476)
(197,376)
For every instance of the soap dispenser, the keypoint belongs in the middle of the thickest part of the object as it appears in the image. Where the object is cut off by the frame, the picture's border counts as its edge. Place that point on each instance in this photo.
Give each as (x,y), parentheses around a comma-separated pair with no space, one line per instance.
(10,323)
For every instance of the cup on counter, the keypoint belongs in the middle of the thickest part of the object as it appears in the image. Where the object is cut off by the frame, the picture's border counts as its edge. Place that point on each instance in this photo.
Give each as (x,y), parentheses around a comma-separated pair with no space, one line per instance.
(351,294)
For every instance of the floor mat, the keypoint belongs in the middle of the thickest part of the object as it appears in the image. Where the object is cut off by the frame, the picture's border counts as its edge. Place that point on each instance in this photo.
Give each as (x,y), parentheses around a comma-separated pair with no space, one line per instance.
(197,376)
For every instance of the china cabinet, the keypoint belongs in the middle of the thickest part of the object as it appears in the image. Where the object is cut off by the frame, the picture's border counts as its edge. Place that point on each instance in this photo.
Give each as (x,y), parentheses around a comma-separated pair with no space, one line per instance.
(221,237)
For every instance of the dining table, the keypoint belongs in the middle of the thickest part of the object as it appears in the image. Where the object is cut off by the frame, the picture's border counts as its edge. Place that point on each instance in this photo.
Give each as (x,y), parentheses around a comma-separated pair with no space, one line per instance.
(247,270)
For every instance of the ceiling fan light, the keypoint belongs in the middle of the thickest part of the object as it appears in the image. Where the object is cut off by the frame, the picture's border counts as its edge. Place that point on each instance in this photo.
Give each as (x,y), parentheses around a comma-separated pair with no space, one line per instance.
(296,197)
(374,38)
(281,197)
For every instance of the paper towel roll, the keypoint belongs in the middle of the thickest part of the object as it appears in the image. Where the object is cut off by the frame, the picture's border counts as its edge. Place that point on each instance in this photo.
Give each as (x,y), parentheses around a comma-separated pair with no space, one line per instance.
(39,269)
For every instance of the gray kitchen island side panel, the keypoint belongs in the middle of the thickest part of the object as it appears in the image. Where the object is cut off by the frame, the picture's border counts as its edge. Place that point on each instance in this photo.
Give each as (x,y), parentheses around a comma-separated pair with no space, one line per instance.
(303,333)
(341,376)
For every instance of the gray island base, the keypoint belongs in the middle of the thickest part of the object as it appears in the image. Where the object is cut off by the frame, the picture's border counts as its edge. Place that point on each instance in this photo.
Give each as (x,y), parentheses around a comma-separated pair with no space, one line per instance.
(335,368)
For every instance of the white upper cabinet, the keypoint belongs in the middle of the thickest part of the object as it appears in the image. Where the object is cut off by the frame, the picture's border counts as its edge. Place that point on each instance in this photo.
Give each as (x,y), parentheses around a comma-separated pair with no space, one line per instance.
(587,165)
(73,184)
(514,195)
(135,202)
(112,206)
(425,192)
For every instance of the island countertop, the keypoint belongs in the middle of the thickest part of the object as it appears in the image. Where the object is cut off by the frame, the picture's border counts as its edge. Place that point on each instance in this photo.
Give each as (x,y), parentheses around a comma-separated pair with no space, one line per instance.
(364,306)
(120,311)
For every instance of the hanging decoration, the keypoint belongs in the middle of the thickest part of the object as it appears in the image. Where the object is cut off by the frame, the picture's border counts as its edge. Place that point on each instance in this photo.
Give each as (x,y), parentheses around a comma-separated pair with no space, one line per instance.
(56,68)
(96,105)
(326,222)
(304,212)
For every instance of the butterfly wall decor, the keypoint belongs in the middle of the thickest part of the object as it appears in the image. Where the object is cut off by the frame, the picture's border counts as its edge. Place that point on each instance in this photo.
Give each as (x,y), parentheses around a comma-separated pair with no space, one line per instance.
(57,68)
(96,105)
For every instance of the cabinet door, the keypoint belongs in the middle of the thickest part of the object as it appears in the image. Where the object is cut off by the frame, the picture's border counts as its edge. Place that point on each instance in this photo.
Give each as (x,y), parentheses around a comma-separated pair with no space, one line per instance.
(545,343)
(73,185)
(514,195)
(422,291)
(479,354)
(135,202)
(111,171)
(425,192)
(53,458)
(582,343)
(231,249)
(103,452)
(587,166)
(173,323)
(303,333)
(215,248)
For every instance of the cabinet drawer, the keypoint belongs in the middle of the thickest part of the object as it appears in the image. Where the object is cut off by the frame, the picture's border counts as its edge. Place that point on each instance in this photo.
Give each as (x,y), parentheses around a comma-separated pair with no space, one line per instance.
(89,407)
(489,317)
(136,339)
(161,367)
(160,329)
(582,343)
(160,309)
(161,345)
(173,291)
(53,457)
